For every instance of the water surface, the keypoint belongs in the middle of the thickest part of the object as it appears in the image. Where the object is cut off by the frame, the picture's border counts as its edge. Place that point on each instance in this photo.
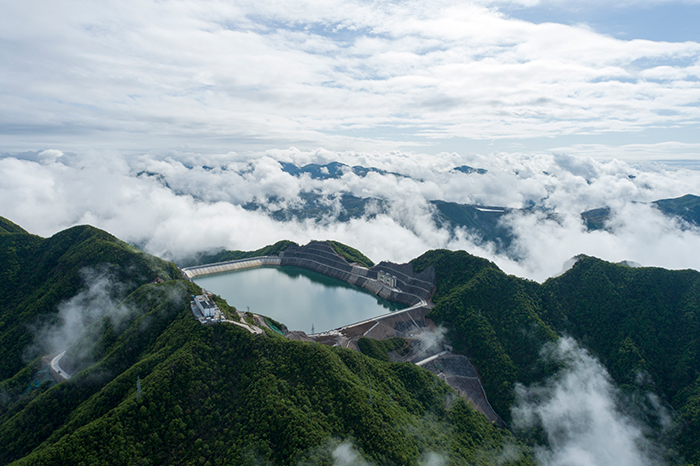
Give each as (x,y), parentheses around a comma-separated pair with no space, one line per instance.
(299,298)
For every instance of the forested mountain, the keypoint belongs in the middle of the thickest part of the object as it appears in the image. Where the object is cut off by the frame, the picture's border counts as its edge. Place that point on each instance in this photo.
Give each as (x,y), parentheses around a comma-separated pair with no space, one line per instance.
(642,323)
(157,387)
(36,274)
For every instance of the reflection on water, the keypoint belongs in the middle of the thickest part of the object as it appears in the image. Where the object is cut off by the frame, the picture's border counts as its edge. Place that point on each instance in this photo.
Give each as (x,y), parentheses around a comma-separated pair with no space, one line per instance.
(297,297)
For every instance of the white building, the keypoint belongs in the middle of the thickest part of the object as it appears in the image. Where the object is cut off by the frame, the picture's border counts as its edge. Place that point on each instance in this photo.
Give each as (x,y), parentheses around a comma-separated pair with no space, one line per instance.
(206,306)
(387,279)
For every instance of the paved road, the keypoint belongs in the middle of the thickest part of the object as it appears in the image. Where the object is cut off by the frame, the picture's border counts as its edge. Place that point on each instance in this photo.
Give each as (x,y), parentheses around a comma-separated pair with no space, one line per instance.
(56,370)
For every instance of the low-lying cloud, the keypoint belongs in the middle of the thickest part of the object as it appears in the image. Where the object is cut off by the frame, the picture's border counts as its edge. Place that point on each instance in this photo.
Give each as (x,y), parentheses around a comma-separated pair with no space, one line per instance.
(99,299)
(579,412)
(178,204)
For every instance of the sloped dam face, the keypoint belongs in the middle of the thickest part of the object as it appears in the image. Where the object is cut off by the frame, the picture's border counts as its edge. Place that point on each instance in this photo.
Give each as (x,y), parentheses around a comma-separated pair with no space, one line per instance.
(297,297)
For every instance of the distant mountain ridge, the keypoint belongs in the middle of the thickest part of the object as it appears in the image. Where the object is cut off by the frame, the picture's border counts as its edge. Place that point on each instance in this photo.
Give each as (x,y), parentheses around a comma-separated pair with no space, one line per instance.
(685,209)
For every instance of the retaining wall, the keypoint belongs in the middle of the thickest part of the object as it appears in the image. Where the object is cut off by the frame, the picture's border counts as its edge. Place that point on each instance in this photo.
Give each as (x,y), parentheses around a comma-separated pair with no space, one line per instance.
(319,256)
(230,266)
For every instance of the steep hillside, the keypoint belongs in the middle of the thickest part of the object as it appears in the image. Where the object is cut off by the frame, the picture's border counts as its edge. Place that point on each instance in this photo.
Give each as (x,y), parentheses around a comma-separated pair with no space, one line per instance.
(7,227)
(642,323)
(37,274)
(493,318)
(154,386)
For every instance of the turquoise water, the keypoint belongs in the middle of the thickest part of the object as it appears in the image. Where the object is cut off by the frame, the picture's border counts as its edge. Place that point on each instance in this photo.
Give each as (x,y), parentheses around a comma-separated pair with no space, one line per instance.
(297,297)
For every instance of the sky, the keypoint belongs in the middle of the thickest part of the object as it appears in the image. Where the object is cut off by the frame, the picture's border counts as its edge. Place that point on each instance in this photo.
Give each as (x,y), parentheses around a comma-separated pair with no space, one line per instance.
(471,77)
(110,112)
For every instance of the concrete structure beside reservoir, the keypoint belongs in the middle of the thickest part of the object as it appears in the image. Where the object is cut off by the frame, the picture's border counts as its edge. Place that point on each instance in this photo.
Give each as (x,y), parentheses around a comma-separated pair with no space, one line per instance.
(206,306)
(393,282)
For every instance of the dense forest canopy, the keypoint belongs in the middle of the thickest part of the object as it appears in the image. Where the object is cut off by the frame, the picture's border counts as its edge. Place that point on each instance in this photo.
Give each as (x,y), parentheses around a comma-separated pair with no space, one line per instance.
(151,385)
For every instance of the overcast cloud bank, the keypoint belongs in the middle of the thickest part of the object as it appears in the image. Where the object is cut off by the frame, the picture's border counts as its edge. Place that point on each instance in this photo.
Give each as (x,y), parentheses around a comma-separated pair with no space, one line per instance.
(340,74)
(178,204)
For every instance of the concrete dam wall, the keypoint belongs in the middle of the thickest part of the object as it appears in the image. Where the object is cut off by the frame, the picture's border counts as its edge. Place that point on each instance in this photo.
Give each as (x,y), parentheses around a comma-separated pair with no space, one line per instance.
(230,266)
(411,288)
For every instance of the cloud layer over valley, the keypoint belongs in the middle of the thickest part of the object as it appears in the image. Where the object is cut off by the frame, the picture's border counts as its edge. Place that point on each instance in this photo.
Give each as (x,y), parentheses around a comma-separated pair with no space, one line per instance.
(177,204)
(165,123)
(580,413)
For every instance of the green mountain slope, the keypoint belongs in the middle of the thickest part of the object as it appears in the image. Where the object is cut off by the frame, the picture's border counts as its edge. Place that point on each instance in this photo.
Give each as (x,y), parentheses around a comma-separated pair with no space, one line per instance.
(7,227)
(686,207)
(209,394)
(642,323)
(638,321)
(493,318)
(217,394)
(39,273)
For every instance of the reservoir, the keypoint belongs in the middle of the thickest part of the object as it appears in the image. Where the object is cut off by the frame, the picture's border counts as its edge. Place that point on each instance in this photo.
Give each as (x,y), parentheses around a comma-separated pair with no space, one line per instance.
(297,297)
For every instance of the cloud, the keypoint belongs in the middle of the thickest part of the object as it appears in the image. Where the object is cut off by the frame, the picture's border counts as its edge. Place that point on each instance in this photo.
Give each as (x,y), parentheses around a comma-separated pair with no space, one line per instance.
(579,412)
(347,455)
(179,203)
(100,299)
(338,74)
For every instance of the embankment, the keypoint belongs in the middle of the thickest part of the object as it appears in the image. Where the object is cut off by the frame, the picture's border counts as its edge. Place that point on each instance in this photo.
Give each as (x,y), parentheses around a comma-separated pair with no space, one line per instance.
(411,288)
(230,266)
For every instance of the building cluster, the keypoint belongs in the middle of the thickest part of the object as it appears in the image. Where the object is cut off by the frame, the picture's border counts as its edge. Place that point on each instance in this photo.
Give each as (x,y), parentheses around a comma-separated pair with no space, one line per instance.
(387,279)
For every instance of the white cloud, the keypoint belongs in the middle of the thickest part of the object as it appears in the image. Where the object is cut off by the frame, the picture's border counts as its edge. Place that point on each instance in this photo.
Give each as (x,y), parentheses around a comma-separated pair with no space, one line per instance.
(173,207)
(579,412)
(335,74)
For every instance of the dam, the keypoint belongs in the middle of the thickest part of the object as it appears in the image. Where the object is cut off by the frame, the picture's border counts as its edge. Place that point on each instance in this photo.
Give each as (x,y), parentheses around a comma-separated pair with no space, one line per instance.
(388,282)
(394,282)
(397,283)
(299,298)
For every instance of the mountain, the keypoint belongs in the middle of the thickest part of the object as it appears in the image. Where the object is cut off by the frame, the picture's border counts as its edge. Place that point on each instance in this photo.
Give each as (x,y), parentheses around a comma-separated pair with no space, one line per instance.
(38,273)
(332,170)
(642,323)
(685,209)
(151,385)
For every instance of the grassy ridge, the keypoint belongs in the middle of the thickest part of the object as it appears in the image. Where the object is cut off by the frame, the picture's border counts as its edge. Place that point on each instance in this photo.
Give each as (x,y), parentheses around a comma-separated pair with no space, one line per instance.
(350,254)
